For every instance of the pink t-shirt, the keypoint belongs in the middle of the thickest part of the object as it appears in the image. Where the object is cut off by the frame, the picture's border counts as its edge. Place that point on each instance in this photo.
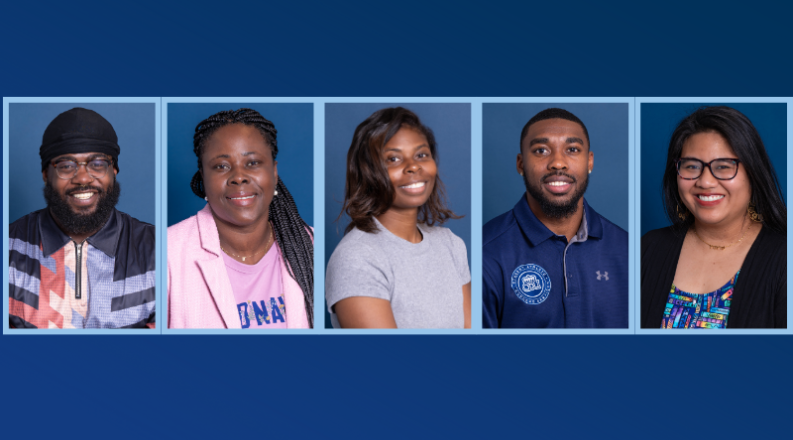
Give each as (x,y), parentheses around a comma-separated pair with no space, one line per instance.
(258,290)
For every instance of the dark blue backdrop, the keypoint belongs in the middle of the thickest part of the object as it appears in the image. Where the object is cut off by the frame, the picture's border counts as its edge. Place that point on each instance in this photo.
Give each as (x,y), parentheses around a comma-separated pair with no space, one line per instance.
(295,125)
(451,124)
(608,127)
(494,386)
(135,125)
(658,121)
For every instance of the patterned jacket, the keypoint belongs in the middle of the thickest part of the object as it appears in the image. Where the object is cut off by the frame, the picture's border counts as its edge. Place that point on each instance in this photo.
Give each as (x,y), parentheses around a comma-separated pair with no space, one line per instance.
(105,282)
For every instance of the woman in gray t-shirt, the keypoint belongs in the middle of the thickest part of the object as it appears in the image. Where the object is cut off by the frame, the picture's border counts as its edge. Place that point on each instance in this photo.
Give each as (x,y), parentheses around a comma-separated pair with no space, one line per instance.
(396,267)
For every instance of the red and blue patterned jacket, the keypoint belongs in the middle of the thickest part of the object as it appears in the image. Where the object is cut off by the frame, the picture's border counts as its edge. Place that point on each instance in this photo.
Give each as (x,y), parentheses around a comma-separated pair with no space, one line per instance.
(105,282)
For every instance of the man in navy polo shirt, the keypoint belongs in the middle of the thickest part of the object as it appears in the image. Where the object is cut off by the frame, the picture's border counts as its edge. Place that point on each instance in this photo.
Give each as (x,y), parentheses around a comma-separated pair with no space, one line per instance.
(552,261)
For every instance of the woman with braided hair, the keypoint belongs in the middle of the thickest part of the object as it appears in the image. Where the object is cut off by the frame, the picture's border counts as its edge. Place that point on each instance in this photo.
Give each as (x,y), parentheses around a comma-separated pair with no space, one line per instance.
(246,260)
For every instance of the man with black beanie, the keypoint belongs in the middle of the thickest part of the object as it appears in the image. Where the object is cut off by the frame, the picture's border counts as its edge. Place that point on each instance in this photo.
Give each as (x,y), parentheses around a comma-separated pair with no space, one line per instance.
(80,263)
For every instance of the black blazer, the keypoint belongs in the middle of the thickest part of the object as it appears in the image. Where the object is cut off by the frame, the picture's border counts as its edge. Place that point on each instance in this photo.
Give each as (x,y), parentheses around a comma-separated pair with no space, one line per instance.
(760,296)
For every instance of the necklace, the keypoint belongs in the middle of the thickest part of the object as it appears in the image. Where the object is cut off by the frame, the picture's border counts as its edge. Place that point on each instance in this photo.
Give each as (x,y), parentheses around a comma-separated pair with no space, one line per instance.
(267,246)
(720,248)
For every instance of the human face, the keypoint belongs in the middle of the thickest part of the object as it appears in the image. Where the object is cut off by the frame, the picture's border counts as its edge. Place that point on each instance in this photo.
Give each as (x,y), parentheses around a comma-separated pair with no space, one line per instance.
(710,200)
(411,168)
(82,192)
(555,162)
(239,174)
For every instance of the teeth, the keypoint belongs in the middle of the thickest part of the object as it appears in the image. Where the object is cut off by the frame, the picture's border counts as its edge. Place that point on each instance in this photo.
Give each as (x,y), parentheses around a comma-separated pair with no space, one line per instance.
(83,196)
(557,183)
(710,198)
(241,198)
(414,185)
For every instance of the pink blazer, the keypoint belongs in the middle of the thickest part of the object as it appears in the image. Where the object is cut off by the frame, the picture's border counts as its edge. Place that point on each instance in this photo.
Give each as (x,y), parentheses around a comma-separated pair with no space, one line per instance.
(199,290)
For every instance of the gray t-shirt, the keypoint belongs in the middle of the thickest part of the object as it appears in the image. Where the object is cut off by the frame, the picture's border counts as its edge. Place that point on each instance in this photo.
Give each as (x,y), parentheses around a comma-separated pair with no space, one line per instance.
(423,281)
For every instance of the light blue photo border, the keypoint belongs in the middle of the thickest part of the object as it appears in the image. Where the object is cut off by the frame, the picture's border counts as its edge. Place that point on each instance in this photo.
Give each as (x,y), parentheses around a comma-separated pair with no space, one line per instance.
(159,225)
(637,211)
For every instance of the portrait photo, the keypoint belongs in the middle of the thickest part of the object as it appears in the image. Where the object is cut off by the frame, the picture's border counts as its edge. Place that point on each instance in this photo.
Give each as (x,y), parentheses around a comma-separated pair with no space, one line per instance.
(555,211)
(81,214)
(398,215)
(240,209)
(713,215)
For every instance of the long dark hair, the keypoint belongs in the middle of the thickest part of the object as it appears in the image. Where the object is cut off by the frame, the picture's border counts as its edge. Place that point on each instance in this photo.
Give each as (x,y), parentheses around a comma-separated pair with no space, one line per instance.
(745,141)
(368,191)
(290,230)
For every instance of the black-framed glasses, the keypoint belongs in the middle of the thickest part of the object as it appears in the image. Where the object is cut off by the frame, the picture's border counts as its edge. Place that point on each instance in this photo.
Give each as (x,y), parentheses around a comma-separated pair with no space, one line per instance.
(97,168)
(690,168)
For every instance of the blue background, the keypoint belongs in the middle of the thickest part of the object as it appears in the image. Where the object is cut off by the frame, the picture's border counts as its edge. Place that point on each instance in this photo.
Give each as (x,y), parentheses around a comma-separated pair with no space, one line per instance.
(295,125)
(451,124)
(608,127)
(658,122)
(134,124)
(490,386)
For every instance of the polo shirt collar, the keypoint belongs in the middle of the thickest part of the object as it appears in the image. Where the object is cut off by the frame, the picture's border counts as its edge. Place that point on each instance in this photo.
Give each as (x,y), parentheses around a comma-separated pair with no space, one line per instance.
(53,239)
(537,232)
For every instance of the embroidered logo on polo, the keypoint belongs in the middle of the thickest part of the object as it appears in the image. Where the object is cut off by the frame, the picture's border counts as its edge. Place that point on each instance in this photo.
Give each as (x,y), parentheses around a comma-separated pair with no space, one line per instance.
(531,284)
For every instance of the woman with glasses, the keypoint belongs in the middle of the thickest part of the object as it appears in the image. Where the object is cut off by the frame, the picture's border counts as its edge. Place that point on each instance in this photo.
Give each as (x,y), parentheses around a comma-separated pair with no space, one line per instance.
(245,261)
(723,262)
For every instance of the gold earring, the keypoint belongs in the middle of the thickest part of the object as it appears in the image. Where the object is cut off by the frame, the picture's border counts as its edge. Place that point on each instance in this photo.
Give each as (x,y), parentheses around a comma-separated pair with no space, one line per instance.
(683,214)
(753,215)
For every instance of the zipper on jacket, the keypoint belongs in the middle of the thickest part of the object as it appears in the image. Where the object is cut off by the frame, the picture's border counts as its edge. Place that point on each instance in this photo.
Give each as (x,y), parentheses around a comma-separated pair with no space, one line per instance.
(77,270)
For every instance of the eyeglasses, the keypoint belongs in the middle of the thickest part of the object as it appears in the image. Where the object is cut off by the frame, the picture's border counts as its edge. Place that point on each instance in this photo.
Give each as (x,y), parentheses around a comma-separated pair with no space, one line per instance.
(97,168)
(689,168)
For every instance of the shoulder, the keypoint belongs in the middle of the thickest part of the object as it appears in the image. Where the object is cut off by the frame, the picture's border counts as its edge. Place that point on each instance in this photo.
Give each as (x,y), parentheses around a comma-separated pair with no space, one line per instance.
(135,227)
(443,235)
(663,236)
(22,226)
(356,245)
(772,244)
(498,228)
(186,226)
(610,228)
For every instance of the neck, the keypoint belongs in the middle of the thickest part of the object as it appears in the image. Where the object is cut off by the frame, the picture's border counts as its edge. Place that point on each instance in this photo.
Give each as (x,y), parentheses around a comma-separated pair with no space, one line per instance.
(246,240)
(77,238)
(722,232)
(567,226)
(402,223)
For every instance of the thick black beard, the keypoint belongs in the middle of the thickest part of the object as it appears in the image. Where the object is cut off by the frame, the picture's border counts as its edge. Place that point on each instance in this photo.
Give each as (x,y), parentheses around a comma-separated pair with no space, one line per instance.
(548,206)
(75,223)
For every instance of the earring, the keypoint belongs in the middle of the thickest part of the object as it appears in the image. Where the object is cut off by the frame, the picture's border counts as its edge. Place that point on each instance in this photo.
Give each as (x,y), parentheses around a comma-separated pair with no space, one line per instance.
(683,214)
(590,171)
(753,215)
(206,198)
(520,172)
(276,193)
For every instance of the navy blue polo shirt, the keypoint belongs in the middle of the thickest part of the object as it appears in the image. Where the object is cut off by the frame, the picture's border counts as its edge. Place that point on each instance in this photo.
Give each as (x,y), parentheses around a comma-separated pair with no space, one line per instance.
(533,278)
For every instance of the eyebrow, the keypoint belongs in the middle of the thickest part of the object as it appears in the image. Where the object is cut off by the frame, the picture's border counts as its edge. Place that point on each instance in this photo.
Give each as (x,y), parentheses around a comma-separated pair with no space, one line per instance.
(399,150)
(74,159)
(570,140)
(226,156)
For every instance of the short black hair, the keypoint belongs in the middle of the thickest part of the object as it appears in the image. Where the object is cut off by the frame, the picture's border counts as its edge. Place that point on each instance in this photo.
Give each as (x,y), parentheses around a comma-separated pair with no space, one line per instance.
(554,113)
(745,141)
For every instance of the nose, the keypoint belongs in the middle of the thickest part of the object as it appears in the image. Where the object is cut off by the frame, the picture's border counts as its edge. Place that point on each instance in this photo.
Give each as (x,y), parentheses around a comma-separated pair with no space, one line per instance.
(82,176)
(558,160)
(238,177)
(412,166)
(706,179)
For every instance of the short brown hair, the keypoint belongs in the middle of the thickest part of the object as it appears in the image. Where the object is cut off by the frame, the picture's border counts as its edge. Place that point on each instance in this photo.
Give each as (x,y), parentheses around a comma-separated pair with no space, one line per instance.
(368,191)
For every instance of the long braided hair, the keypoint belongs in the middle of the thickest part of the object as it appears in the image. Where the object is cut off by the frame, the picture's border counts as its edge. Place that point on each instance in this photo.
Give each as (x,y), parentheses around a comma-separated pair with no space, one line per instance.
(291,232)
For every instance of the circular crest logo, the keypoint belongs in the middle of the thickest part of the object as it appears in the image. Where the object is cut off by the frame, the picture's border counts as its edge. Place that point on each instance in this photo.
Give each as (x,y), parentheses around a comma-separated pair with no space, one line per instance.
(531,284)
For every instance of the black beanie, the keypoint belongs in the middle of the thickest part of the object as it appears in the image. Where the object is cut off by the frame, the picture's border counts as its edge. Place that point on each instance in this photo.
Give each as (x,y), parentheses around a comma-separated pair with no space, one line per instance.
(78,130)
